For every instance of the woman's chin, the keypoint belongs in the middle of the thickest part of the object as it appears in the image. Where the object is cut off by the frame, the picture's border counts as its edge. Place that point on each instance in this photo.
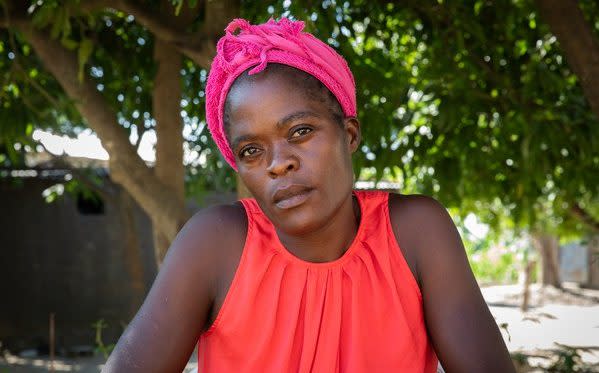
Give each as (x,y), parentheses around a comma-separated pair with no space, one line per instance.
(299,223)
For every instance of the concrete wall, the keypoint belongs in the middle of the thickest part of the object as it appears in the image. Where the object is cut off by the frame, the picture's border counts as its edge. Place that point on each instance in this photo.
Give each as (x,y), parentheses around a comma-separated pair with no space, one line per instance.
(55,259)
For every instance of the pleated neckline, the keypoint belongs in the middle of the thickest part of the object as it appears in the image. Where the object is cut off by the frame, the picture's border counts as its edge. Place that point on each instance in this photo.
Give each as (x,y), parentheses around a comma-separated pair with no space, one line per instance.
(355,244)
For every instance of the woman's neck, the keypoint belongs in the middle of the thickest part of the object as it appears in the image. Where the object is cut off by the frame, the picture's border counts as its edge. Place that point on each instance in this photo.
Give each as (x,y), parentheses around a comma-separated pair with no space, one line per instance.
(329,242)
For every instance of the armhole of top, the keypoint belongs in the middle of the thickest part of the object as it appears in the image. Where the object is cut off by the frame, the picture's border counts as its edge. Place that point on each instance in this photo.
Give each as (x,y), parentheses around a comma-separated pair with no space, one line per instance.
(404,262)
(233,286)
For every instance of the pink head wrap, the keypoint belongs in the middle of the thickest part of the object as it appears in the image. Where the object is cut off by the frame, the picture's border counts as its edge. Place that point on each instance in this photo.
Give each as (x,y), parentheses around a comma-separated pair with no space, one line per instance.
(279,42)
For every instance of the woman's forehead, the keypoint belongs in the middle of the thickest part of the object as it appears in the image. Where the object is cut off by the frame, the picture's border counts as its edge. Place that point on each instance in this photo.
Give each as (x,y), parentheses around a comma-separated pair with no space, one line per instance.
(269,95)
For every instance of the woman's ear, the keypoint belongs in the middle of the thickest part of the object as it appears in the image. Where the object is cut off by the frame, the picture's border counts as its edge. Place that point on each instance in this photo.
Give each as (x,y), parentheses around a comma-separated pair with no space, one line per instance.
(351,125)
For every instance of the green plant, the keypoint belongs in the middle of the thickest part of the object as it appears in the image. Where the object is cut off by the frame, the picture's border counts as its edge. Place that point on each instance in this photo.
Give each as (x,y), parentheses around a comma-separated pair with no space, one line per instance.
(520,361)
(568,360)
(100,346)
(493,259)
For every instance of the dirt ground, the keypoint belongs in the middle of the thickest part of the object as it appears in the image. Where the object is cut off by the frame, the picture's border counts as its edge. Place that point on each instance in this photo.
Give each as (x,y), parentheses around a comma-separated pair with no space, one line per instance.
(561,326)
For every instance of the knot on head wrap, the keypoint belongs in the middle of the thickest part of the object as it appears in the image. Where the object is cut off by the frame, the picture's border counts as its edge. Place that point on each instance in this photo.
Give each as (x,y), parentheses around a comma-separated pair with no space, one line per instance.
(245,45)
(254,41)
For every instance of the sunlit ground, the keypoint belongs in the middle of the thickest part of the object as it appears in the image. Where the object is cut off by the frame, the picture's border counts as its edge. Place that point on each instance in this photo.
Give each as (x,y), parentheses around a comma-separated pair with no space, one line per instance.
(556,320)
(15,364)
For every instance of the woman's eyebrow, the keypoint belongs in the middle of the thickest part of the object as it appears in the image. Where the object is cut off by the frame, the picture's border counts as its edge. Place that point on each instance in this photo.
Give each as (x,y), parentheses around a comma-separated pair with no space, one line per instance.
(294,116)
(236,141)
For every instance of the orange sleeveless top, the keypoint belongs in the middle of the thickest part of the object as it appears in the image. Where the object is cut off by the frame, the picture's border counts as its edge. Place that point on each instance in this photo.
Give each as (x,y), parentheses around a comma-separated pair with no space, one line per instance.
(359,313)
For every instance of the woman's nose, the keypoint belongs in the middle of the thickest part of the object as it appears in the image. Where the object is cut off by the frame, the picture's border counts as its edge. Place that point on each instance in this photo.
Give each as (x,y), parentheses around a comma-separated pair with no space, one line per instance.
(282,161)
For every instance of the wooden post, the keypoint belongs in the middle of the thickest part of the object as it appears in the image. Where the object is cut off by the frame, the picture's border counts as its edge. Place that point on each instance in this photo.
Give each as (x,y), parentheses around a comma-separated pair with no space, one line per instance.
(593,250)
(52,342)
(528,266)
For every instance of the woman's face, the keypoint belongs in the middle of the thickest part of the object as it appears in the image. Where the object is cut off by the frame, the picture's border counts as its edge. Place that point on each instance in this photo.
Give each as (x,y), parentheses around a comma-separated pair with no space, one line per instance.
(291,154)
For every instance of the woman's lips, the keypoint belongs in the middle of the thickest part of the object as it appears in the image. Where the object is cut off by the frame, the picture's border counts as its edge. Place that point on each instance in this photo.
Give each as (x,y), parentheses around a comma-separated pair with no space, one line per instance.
(292,198)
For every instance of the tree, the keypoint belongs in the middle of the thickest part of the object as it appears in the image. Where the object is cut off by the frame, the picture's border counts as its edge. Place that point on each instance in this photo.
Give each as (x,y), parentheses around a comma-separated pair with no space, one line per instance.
(580,46)
(475,102)
(119,67)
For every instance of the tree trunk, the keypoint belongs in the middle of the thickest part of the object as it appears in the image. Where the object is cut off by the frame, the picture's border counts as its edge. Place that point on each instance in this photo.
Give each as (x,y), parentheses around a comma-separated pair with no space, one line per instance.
(548,249)
(132,254)
(159,192)
(166,107)
(575,35)
(528,266)
(126,167)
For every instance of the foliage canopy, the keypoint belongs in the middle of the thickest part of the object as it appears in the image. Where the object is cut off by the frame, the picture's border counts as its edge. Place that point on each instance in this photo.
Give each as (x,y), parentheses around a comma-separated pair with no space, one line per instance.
(473,101)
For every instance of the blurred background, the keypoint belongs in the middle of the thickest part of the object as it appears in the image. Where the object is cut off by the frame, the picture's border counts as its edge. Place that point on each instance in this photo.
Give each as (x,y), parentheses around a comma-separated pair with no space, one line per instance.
(491,107)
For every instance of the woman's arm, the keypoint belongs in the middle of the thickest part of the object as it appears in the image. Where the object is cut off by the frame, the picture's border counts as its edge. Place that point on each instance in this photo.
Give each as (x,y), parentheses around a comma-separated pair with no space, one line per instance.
(165,330)
(463,331)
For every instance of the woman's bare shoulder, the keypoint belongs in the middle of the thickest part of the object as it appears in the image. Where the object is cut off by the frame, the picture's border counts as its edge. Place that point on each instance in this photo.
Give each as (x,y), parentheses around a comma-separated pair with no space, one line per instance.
(216,235)
(425,227)
(211,235)
(452,301)
(413,217)
(415,206)
(417,216)
(177,307)
(215,225)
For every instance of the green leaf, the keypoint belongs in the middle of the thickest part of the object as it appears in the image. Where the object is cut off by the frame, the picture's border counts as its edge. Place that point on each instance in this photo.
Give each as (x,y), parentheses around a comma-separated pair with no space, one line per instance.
(178,7)
(85,50)
(68,43)
(58,23)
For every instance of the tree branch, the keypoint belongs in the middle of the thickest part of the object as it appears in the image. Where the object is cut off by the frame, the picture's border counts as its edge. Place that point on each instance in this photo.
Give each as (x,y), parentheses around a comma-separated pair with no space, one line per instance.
(141,130)
(156,23)
(51,100)
(585,217)
(161,27)
(11,13)
(17,64)
(126,167)
(197,46)
(575,35)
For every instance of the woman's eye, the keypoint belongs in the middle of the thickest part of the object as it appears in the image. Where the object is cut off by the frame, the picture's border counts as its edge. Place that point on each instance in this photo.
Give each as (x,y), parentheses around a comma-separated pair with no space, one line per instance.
(301,132)
(248,152)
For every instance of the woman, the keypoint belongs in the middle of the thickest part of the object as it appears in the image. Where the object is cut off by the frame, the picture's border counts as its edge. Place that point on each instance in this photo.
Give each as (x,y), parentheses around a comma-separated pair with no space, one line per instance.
(310,276)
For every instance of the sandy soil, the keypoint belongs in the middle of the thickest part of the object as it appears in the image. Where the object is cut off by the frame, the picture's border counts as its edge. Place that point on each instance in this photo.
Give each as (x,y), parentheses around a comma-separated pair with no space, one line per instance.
(557,320)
